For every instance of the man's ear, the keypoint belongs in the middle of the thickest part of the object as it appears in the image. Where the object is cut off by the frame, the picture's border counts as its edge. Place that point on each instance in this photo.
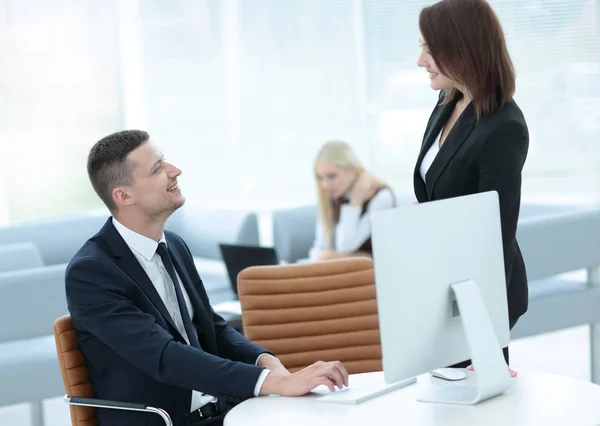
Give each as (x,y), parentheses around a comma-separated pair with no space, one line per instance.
(121,196)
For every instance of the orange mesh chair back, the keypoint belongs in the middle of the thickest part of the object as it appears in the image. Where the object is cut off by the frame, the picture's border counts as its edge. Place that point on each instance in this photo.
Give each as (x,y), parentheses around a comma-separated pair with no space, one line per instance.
(76,378)
(74,371)
(308,312)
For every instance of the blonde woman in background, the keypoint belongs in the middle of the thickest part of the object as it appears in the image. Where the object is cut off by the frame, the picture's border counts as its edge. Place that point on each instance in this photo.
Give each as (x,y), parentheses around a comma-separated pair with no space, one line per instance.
(347,195)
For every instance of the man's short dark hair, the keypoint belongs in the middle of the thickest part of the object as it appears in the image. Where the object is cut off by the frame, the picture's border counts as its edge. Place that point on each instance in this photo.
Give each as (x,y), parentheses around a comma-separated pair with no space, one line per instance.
(107,164)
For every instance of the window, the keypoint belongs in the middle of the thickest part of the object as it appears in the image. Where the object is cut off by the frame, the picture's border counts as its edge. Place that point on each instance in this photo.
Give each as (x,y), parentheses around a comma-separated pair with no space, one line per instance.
(58,92)
(242,93)
(554,45)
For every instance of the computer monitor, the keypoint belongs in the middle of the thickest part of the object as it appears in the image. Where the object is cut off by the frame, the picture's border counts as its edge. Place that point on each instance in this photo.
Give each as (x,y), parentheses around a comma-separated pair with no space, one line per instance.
(441,293)
(239,257)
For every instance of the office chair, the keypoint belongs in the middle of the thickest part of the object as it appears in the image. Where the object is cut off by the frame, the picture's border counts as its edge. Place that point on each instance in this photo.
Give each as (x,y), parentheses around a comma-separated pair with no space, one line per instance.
(74,372)
(308,312)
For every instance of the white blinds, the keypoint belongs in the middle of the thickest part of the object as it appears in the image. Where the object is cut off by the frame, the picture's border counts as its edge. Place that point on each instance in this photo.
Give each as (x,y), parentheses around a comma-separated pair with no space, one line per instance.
(555,47)
(241,93)
(244,107)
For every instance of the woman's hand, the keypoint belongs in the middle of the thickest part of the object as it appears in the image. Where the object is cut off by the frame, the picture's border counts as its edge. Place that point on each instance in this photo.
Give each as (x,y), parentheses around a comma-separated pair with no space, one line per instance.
(332,254)
(364,188)
(513,373)
(327,255)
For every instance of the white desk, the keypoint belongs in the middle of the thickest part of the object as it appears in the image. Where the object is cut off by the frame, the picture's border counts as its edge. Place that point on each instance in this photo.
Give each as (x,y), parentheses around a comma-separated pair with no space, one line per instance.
(535,399)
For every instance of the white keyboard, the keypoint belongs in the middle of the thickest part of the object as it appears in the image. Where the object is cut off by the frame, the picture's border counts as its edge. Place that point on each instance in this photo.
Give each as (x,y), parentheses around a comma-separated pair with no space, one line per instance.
(362,393)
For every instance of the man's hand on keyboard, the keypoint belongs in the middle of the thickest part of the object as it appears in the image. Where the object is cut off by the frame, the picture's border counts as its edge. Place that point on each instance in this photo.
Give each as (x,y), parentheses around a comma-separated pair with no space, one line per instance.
(330,374)
(272,364)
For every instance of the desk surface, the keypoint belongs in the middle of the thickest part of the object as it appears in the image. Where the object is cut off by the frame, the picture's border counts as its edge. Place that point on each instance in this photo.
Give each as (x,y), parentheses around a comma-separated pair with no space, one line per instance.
(534,399)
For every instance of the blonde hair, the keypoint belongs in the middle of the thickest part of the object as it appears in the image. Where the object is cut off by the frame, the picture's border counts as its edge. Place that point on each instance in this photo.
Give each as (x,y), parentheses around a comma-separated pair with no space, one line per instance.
(340,154)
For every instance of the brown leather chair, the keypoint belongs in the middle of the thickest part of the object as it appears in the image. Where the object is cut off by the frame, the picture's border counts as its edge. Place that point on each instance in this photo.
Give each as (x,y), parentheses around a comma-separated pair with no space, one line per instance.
(80,395)
(308,312)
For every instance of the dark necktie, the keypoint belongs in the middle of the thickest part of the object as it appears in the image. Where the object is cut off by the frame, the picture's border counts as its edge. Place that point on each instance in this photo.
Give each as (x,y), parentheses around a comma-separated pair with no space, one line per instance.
(185,315)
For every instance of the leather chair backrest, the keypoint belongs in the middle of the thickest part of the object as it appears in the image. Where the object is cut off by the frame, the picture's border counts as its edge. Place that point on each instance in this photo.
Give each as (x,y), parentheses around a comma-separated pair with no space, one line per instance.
(74,371)
(308,312)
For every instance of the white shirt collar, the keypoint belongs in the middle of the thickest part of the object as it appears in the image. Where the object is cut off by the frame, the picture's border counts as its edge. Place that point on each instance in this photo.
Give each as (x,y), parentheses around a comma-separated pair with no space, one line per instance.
(140,243)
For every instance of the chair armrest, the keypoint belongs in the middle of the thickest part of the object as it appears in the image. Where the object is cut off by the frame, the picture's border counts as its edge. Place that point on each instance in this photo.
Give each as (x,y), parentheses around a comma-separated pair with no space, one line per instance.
(119,405)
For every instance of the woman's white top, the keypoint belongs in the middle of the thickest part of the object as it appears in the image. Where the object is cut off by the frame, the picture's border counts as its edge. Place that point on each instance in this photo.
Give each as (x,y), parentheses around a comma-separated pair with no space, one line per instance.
(429,157)
(352,229)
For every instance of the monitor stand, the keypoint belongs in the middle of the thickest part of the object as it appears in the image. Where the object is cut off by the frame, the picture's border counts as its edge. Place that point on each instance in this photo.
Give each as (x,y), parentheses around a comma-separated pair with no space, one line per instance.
(491,372)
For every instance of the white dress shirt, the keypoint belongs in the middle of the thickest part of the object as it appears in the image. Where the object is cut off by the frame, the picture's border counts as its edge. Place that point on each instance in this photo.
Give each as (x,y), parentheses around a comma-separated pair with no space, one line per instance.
(144,250)
(352,229)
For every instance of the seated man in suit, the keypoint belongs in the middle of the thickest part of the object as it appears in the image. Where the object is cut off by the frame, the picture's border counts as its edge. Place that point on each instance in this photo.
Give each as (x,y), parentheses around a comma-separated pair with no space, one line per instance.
(142,315)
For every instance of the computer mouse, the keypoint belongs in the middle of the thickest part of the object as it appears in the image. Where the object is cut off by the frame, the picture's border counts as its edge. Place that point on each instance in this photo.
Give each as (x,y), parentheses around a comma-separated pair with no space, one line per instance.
(451,374)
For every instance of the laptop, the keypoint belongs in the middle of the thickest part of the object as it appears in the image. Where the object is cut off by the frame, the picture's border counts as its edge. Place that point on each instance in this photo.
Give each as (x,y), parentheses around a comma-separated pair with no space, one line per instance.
(239,257)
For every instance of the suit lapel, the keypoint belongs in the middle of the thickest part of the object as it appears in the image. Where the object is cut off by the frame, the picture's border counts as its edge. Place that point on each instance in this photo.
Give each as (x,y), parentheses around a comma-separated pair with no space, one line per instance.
(439,117)
(128,263)
(454,140)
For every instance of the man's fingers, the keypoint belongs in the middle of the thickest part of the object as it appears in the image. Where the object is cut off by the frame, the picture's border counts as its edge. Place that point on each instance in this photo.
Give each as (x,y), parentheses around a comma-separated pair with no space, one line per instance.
(336,372)
(335,376)
(322,380)
(343,372)
(339,372)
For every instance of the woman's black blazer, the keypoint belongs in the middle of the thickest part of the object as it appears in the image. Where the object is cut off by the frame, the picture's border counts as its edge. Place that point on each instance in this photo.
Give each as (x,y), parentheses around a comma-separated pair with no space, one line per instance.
(477,156)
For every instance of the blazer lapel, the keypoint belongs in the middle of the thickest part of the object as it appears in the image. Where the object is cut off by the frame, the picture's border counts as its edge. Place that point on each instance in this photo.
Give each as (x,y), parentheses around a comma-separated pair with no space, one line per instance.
(128,263)
(439,117)
(454,140)
(438,120)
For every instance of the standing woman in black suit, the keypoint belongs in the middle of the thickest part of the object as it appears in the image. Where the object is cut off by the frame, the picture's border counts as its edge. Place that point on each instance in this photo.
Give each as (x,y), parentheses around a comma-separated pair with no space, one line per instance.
(476,139)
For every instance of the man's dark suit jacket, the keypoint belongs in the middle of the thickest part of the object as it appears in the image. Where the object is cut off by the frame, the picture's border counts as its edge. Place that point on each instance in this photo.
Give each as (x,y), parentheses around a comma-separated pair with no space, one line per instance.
(133,349)
(478,156)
